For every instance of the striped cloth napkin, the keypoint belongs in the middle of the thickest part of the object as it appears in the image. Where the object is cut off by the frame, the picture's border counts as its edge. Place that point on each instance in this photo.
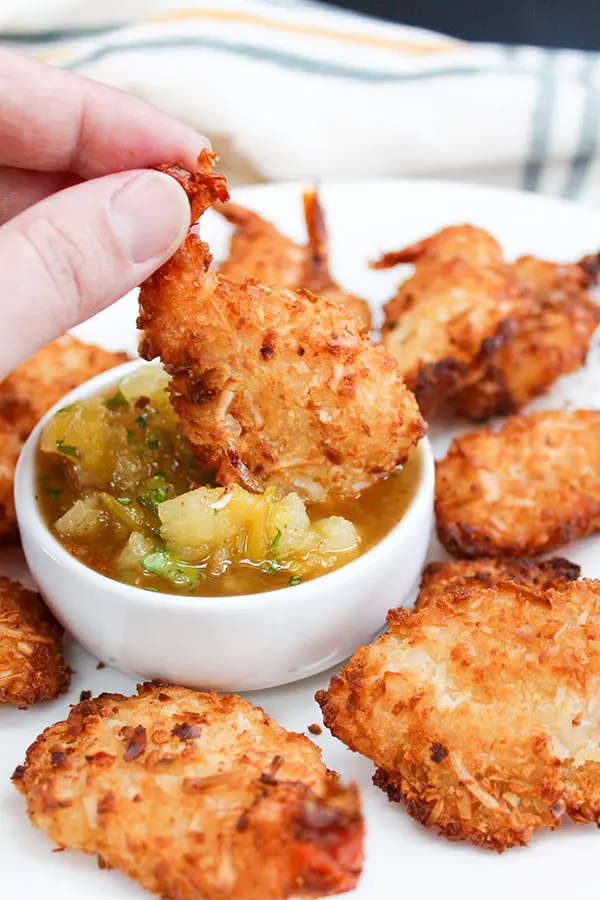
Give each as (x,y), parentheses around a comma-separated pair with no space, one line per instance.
(291,89)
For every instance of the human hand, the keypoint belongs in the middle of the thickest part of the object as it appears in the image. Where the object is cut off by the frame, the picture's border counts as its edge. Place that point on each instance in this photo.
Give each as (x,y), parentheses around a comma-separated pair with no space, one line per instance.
(81,222)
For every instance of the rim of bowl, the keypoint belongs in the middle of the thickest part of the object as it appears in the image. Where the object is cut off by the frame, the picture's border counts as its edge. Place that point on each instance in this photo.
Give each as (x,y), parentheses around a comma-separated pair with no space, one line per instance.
(27,506)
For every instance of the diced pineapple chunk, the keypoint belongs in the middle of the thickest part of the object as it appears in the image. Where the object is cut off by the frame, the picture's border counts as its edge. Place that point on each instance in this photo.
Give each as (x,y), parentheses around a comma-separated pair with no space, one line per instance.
(338,534)
(233,523)
(195,524)
(83,517)
(137,547)
(84,434)
(147,381)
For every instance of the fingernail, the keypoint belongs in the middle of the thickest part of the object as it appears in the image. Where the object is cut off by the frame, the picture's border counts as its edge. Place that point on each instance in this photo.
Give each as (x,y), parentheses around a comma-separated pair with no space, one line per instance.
(150,216)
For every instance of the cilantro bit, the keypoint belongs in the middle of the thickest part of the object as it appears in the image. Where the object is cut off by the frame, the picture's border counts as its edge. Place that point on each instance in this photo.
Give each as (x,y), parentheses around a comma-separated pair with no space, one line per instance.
(124,501)
(294,580)
(116,401)
(276,540)
(141,421)
(52,492)
(163,565)
(160,474)
(67,449)
(154,445)
(152,498)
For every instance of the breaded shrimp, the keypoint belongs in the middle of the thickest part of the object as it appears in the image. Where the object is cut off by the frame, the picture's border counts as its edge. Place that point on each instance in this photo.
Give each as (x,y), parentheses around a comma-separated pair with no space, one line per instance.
(439,578)
(527,488)
(28,393)
(10,448)
(32,667)
(258,250)
(459,306)
(273,386)
(482,710)
(552,341)
(195,796)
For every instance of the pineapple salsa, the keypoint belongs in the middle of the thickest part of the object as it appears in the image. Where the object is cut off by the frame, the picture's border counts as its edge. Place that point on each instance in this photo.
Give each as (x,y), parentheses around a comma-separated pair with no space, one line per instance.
(119,487)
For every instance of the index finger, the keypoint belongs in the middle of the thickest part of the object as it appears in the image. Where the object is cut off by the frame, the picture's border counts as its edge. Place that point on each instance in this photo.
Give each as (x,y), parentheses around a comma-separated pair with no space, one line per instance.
(55,121)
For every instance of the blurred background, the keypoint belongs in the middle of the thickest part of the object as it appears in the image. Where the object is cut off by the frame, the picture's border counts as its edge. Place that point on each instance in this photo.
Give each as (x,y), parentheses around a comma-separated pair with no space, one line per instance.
(502,92)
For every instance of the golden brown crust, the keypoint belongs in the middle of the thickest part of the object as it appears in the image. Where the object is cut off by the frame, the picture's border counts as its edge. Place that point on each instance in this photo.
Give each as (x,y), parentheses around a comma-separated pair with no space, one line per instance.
(32,667)
(28,393)
(525,489)
(274,386)
(258,250)
(552,341)
(196,796)
(203,187)
(458,308)
(480,710)
(440,578)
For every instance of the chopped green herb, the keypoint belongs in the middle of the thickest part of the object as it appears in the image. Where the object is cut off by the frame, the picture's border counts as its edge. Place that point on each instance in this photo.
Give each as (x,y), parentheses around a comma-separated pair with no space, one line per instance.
(274,567)
(64,409)
(215,512)
(156,531)
(129,433)
(155,590)
(152,498)
(276,540)
(116,402)
(294,580)
(124,501)
(52,492)
(162,564)
(141,421)
(67,449)
(154,445)
(160,474)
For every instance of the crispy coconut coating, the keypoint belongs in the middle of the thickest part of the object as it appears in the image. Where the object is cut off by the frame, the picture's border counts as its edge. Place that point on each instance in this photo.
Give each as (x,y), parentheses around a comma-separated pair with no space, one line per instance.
(525,489)
(196,796)
(273,386)
(552,341)
(32,667)
(482,710)
(28,393)
(258,250)
(459,306)
(10,447)
(440,577)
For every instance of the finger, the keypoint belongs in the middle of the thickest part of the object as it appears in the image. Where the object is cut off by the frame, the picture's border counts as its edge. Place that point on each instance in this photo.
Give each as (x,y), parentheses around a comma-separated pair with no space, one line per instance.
(55,121)
(76,252)
(21,188)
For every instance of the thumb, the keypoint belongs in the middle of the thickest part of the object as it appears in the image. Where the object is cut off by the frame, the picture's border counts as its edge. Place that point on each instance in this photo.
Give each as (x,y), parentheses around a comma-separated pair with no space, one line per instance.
(76,252)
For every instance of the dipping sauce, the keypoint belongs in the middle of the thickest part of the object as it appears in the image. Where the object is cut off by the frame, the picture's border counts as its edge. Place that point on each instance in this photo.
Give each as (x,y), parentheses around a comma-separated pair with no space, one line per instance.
(119,487)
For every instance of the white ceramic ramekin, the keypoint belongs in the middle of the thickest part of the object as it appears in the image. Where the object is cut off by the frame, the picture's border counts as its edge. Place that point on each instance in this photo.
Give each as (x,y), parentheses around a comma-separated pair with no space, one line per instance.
(229,643)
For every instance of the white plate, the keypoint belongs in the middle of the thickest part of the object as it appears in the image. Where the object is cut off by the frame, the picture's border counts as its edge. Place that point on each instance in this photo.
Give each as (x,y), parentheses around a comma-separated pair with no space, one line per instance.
(402,859)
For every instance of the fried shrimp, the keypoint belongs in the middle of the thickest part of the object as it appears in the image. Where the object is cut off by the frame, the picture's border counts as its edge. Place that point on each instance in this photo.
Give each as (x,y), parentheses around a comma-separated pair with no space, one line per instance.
(552,341)
(481,710)
(273,386)
(28,393)
(32,667)
(539,575)
(458,308)
(10,448)
(525,489)
(258,250)
(195,796)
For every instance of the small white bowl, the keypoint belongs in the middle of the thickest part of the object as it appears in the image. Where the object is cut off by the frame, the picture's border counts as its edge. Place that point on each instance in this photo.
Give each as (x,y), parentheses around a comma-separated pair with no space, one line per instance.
(239,643)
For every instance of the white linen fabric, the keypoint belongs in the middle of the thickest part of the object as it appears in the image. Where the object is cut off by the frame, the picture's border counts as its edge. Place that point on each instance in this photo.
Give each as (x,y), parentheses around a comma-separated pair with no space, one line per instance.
(300,90)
